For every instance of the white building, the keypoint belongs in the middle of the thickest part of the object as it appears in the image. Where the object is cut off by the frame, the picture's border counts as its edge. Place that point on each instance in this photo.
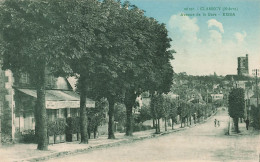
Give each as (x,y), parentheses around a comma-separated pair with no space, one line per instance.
(218,96)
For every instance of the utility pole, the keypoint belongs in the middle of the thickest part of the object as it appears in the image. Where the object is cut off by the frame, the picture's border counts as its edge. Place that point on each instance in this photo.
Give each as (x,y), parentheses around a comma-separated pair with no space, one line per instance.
(256,73)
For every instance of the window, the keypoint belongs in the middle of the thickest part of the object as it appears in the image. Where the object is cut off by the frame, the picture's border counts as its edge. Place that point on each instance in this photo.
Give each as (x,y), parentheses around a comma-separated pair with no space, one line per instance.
(24,78)
(61,113)
(74,112)
(52,114)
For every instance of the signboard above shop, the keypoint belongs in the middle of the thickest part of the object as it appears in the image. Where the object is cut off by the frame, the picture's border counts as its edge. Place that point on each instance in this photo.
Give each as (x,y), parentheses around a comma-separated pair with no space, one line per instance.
(67,104)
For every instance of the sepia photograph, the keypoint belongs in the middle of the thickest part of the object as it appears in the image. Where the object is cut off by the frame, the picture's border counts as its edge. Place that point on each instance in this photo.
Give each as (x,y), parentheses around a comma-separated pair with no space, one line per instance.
(130,80)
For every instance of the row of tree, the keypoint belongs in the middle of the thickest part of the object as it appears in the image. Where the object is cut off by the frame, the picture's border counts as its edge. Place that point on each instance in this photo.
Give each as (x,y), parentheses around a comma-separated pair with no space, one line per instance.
(166,107)
(113,49)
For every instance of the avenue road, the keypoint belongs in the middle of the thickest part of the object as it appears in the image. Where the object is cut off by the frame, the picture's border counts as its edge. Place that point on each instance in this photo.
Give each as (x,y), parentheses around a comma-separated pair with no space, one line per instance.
(204,142)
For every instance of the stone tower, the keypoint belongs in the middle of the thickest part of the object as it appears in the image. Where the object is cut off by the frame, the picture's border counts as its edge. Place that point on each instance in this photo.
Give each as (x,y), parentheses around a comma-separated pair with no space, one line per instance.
(242,65)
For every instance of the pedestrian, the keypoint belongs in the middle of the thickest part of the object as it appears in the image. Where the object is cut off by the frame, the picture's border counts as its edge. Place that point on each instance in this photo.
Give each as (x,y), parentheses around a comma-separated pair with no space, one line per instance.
(215,121)
(218,123)
(247,123)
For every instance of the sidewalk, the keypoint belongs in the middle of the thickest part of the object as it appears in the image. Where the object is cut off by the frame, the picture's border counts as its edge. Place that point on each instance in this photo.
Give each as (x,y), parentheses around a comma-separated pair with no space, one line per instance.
(28,152)
(242,129)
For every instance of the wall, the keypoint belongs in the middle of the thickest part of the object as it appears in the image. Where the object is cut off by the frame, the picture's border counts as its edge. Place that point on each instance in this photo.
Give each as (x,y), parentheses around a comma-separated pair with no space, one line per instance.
(6,104)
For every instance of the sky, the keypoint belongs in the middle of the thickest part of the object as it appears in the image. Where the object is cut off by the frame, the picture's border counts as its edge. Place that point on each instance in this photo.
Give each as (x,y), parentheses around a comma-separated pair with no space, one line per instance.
(206,39)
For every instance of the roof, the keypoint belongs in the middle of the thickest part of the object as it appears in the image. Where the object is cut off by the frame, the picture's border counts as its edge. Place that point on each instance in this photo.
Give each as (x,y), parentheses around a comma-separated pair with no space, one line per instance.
(54,95)
(60,99)
(254,96)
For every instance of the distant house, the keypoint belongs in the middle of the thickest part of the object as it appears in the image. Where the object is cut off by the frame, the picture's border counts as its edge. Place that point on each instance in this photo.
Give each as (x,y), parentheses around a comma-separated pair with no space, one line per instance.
(239,81)
(145,98)
(218,96)
(173,96)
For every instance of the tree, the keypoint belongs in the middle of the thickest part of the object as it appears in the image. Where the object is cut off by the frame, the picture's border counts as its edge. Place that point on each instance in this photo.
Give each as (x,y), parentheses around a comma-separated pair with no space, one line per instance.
(120,116)
(199,110)
(96,116)
(167,103)
(156,106)
(29,44)
(114,58)
(255,117)
(236,105)
(173,111)
(151,70)
(133,59)
(82,35)
(182,111)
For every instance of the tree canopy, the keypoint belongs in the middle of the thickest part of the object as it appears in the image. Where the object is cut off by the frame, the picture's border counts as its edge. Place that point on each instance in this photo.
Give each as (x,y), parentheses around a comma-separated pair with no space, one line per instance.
(113,48)
(236,105)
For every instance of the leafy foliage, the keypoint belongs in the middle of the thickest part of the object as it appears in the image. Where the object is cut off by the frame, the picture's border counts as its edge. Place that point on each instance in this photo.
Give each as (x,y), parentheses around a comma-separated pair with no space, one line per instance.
(145,114)
(120,114)
(236,103)
(97,116)
(72,125)
(156,106)
(31,42)
(51,128)
(60,126)
(255,117)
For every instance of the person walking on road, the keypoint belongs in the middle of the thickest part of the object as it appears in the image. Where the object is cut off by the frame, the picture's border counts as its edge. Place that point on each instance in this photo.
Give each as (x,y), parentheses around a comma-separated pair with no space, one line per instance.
(218,123)
(215,121)
(247,123)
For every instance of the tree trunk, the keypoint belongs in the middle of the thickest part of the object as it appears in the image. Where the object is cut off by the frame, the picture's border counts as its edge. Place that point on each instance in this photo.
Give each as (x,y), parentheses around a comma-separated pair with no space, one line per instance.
(165,124)
(111,101)
(129,121)
(83,111)
(41,112)
(158,125)
(181,121)
(129,101)
(236,124)
(190,120)
(36,120)
(172,123)
(153,123)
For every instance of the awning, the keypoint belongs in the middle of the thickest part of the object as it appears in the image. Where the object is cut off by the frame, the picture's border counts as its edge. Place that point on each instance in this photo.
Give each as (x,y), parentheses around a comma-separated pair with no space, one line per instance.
(57,99)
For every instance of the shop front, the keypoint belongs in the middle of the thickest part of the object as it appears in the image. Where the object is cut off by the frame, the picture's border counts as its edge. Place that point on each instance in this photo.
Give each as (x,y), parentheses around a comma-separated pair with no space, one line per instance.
(60,104)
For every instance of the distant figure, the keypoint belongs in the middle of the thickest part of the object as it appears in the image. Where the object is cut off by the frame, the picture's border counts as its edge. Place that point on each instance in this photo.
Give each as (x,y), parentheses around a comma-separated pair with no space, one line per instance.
(247,123)
(215,121)
(218,123)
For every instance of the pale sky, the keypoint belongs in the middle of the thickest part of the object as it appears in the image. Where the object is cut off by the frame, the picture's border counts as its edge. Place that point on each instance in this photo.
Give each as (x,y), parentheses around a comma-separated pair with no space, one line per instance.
(211,43)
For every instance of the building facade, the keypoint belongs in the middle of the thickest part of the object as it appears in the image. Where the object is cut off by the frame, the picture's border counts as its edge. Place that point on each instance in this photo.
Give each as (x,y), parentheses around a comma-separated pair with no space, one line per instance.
(217,96)
(6,104)
(18,100)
